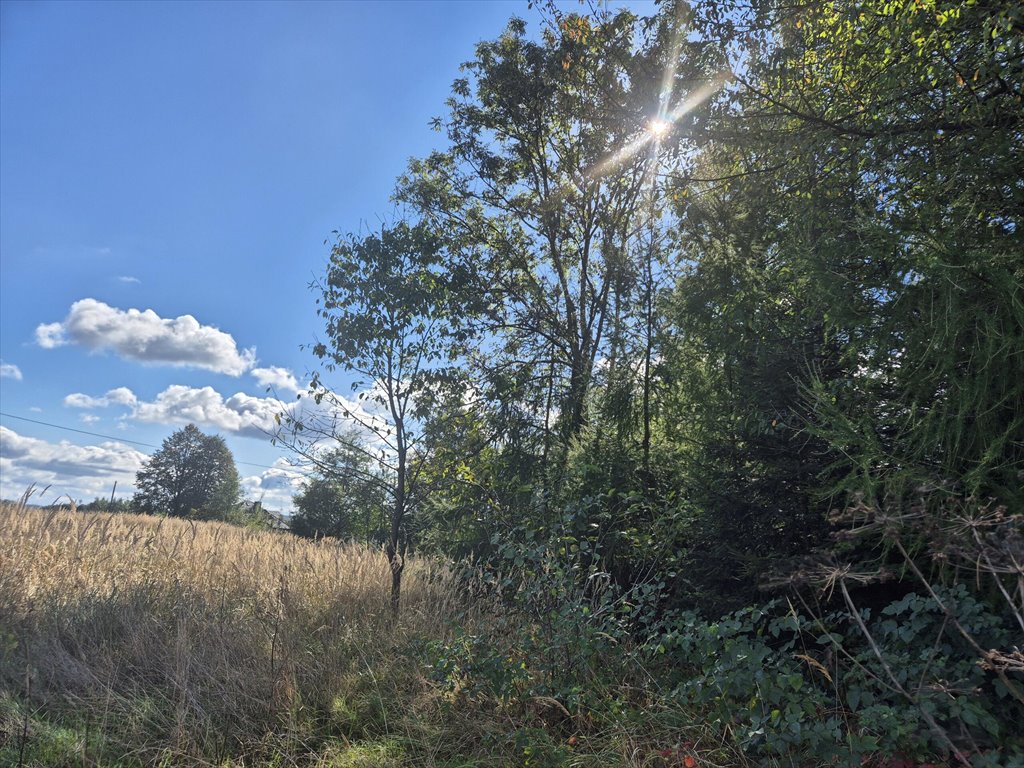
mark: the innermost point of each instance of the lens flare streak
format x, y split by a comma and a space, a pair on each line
660, 127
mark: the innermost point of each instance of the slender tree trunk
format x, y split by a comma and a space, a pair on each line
579, 380
396, 586
545, 473
396, 558
649, 343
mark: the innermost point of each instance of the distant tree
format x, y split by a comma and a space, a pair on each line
107, 505
345, 500
254, 516
192, 475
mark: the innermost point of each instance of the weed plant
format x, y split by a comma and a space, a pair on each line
143, 641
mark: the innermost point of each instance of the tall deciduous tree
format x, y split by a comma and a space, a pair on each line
544, 189
853, 322
387, 305
192, 475
914, 113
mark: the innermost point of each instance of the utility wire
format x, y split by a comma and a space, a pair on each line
109, 437
79, 431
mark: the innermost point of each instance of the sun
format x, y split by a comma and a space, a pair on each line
658, 128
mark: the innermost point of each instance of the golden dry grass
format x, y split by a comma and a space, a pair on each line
72, 556
137, 641
193, 642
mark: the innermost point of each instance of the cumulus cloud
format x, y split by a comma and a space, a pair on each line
275, 486
78, 400
145, 336
9, 371
83, 472
88, 418
120, 396
247, 416
117, 396
240, 414
50, 335
277, 379
205, 407
129, 279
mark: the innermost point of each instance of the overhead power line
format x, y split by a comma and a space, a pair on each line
79, 431
108, 437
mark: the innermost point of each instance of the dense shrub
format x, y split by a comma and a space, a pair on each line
788, 684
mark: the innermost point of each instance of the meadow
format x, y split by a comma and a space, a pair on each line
690, 364
130, 640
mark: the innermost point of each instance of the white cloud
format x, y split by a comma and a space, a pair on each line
50, 335
205, 407
9, 371
78, 400
88, 418
145, 336
83, 472
240, 414
118, 396
129, 279
247, 415
275, 486
277, 379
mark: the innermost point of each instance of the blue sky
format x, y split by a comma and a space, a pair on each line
168, 175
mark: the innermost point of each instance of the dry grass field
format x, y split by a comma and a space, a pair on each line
137, 640
141, 641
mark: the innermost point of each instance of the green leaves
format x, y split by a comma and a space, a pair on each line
192, 475
346, 499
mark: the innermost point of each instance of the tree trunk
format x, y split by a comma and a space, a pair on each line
397, 566
648, 348
396, 558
